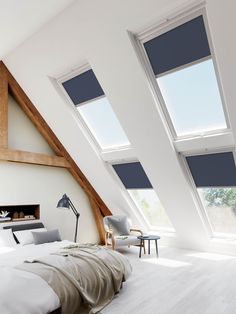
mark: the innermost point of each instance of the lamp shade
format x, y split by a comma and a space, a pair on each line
63, 202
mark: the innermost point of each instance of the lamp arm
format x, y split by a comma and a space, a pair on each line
73, 208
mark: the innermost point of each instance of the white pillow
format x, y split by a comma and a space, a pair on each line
6, 238
25, 236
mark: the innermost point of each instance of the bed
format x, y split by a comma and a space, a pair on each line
58, 277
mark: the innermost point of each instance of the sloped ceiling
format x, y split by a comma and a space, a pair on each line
20, 19
96, 32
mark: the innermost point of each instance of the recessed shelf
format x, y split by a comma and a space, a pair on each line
30, 210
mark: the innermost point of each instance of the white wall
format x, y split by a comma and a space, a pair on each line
96, 31
32, 184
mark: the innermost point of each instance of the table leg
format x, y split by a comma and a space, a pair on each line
156, 247
149, 247
140, 248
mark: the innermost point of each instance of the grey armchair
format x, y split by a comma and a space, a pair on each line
118, 232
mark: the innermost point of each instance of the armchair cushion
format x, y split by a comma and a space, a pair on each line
129, 240
118, 224
124, 241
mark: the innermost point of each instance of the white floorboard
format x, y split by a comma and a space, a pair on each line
179, 282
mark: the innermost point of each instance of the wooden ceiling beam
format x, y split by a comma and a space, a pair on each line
3, 107
33, 158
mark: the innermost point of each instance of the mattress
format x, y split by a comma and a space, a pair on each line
22, 292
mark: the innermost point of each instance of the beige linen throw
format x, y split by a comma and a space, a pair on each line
85, 277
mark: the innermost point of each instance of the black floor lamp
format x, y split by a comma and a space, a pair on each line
65, 202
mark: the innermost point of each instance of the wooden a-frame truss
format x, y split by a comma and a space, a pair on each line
8, 85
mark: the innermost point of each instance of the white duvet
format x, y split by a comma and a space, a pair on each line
22, 292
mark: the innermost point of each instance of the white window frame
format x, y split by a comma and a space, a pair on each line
170, 23
92, 139
205, 143
200, 205
130, 199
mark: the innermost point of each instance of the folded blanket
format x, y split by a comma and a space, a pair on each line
84, 277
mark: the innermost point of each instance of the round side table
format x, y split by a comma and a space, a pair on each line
149, 239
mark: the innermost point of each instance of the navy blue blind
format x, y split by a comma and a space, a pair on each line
213, 170
179, 46
83, 87
133, 176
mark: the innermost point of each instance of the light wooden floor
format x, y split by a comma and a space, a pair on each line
179, 282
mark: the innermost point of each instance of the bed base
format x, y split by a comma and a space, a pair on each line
57, 311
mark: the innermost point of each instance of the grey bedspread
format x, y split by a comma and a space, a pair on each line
84, 277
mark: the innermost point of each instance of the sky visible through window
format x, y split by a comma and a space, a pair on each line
193, 100
103, 124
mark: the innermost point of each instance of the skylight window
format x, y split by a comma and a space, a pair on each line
193, 100
215, 179
135, 180
87, 95
183, 67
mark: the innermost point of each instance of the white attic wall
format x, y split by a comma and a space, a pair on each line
20, 136
97, 32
